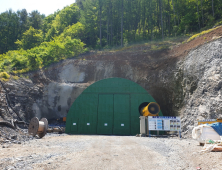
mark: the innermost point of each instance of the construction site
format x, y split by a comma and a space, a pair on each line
102, 109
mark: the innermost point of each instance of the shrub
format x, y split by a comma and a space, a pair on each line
4, 75
15, 77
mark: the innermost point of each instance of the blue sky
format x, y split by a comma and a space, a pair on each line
43, 6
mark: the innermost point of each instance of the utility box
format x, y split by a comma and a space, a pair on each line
142, 125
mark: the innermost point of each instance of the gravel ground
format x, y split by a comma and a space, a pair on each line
107, 152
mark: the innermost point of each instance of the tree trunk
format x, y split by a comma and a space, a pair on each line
213, 7
202, 13
174, 14
169, 31
158, 15
198, 15
100, 33
108, 16
122, 26
144, 19
161, 18
151, 20
178, 18
111, 16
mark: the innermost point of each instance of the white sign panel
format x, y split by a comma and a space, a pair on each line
164, 123
88, 124
105, 124
74, 124
122, 124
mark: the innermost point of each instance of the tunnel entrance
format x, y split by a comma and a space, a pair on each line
109, 106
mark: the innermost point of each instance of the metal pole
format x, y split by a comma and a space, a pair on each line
147, 128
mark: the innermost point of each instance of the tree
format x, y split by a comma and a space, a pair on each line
213, 7
34, 62
161, 18
100, 24
67, 16
31, 38
23, 19
35, 19
198, 15
202, 12
9, 30
122, 24
174, 14
89, 20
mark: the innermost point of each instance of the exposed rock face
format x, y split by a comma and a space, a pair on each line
22, 94
50, 93
188, 86
202, 83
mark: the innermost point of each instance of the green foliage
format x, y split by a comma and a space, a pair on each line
34, 62
218, 23
36, 19
59, 48
74, 31
31, 38
66, 17
14, 24
4, 76
89, 18
97, 24
15, 77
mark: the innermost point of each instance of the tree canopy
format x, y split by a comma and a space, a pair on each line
31, 40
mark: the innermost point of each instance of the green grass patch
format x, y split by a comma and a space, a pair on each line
200, 34
4, 76
218, 23
15, 77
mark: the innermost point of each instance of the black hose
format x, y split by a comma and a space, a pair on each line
4, 123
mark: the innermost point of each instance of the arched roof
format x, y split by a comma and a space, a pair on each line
113, 102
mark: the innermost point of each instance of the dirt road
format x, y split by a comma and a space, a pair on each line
107, 152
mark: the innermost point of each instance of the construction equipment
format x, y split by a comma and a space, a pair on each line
147, 109
152, 109
37, 127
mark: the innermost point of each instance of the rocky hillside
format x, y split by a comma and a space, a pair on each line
185, 79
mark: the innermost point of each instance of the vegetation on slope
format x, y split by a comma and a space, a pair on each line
31, 41
199, 34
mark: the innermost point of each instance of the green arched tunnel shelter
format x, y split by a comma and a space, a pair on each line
110, 107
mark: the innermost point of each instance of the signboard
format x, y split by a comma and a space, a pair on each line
164, 123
